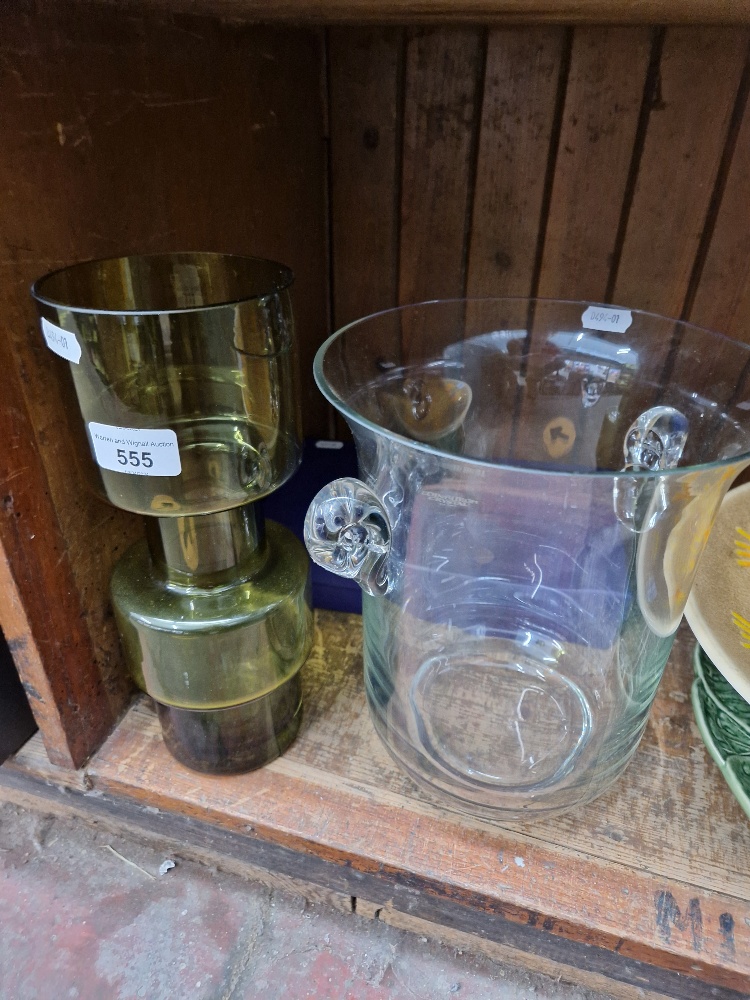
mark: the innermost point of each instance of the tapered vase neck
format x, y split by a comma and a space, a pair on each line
208, 550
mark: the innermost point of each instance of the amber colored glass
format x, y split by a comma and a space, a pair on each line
183, 368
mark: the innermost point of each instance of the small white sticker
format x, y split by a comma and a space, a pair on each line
606, 320
135, 451
61, 341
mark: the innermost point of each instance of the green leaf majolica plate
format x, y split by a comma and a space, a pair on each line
723, 718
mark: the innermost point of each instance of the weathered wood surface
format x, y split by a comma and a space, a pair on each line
366, 70
603, 98
691, 105
600, 163
521, 83
653, 878
722, 299
430, 11
366, 76
37, 786
27, 618
444, 72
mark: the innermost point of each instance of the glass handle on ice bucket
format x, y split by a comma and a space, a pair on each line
347, 532
654, 442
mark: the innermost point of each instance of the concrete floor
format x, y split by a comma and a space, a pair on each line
85, 915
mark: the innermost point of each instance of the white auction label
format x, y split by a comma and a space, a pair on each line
606, 320
62, 342
135, 451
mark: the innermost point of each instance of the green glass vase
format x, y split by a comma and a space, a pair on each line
214, 614
183, 368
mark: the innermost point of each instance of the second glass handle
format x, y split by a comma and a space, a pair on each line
654, 443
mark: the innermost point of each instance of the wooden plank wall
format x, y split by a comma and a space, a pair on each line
384, 164
606, 163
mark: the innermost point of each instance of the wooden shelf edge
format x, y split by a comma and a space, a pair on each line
213, 848
391, 893
368, 12
637, 888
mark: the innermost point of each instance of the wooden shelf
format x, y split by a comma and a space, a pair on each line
597, 163
648, 886
383, 165
459, 11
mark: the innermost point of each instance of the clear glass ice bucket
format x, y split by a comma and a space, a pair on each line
538, 480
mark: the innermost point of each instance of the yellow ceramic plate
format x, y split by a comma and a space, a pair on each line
718, 609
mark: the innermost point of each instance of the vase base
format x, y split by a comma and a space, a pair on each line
237, 739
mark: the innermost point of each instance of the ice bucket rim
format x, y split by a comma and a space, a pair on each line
353, 417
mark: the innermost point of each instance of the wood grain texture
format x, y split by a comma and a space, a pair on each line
722, 298
26, 788
120, 136
365, 116
70, 708
639, 878
432, 11
518, 108
53, 607
690, 110
443, 75
602, 106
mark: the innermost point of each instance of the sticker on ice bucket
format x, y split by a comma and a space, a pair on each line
62, 342
135, 451
606, 320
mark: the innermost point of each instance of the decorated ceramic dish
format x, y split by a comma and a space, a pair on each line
718, 612
723, 718
718, 609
